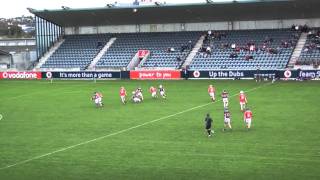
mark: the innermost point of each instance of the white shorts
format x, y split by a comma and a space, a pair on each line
154, 94
248, 121
211, 95
123, 98
162, 93
225, 100
242, 103
136, 100
227, 120
98, 100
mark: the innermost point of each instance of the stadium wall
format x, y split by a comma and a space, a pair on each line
203, 26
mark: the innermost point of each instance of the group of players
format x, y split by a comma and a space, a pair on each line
247, 114
137, 96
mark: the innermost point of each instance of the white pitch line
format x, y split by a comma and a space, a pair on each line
119, 132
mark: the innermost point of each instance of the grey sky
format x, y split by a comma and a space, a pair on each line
14, 8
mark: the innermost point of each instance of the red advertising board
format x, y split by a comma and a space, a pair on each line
20, 75
155, 74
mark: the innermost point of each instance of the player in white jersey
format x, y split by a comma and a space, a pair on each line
227, 120
135, 97
225, 98
162, 92
97, 98
139, 93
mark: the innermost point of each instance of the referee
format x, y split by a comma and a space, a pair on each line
208, 123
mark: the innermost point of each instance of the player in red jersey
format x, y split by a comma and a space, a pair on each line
243, 100
227, 120
123, 94
97, 98
225, 100
247, 117
211, 91
153, 92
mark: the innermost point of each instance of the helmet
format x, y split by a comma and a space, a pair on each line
241, 92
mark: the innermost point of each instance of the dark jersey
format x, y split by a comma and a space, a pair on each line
224, 95
227, 115
208, 121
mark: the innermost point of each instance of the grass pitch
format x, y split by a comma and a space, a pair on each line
45, 131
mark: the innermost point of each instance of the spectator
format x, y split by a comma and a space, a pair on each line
171, 49
99, 44
208, 50
179, 59
273, 51
252, 47
238, 49
190, 44
249, 57
233, 55
183, 47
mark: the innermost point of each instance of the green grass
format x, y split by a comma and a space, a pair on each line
40, 118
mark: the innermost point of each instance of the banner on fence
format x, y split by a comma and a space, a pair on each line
20, 75
82, 75
155, 74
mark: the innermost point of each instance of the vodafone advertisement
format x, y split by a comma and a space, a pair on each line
154, 74
20, 75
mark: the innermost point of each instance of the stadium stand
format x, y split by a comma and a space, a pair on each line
245, 49
165, 49
77, 51
311, 51
252, 49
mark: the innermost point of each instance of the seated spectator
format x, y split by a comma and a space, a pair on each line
285, 44
202, 49
179, 59
171, 49
233, 46
183, 47
249, 57
273, 51
252, 47
233, 55
99, 44
190, 44
208, 50
225, 46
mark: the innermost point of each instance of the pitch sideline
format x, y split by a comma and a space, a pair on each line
121, 131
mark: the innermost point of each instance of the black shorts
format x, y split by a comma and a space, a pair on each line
208, 126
